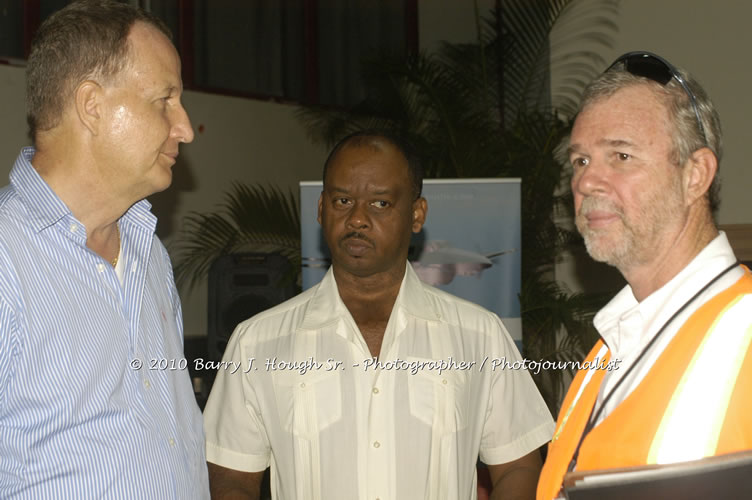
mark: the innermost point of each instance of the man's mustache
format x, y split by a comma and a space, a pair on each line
355, 235
591, 204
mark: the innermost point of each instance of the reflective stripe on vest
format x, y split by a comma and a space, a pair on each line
603, 353
693, 420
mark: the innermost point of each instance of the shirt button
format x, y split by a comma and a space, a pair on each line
375, 390
444, 381
302, 385
73, 228
147, 384
100, 267
376, 444
171, 441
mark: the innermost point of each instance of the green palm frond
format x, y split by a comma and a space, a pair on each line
562, 37
582, 30
524, 49
251, 218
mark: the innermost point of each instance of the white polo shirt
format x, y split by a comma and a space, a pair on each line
336, 426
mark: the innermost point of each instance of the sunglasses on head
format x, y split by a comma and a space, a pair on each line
657, 69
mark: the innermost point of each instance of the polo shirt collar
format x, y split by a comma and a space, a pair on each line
642, 319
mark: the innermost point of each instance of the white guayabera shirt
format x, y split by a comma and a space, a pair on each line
300, 392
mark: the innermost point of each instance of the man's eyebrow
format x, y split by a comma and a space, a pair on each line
169, 90
376, 192
614, 143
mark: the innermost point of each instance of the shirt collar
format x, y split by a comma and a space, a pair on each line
655, 309
45, 208
326, 306
413, 298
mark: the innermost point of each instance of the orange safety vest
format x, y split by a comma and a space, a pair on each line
694, 402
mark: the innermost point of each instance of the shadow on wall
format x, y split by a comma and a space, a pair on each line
165, 204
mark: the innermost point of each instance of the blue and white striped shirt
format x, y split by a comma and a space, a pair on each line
76, 419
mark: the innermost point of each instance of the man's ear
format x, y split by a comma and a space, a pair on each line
700, 171
321, 202
88, 101
420, 210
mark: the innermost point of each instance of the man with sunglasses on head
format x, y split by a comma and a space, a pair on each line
645, 150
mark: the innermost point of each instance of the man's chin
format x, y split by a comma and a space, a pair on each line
357, 266
606, 252
161, 184
599, 255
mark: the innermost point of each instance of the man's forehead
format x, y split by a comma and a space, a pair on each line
139, 28
351, 184
635, 98
145, 37
151, 53
620, 117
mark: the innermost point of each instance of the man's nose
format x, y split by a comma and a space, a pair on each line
590, 179
181, 126
358, 217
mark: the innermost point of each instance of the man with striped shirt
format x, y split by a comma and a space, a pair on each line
87, 299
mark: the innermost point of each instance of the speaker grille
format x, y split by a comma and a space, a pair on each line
241, 286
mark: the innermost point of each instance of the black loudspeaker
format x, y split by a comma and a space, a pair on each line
240, 286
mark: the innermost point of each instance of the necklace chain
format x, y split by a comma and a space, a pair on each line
115, 260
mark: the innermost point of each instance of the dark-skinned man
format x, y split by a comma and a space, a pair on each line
402, 430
